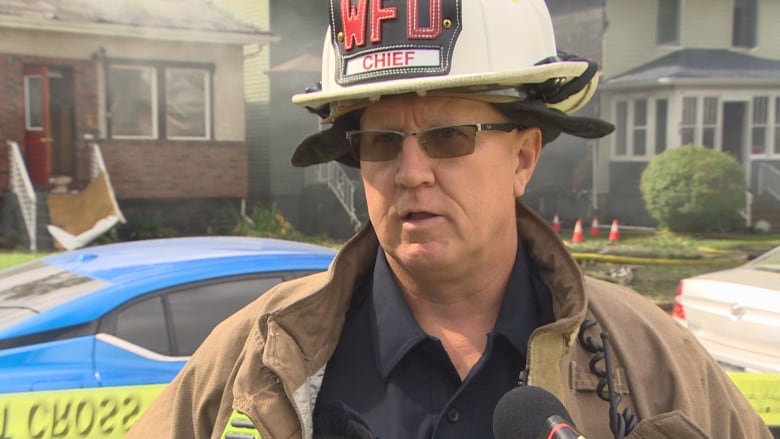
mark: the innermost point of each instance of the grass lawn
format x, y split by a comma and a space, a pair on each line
653, 263
8, 259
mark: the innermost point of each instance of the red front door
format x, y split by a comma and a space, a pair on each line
37, 118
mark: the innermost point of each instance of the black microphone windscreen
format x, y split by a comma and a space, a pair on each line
522, 412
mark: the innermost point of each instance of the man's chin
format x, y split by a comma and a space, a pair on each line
424, 255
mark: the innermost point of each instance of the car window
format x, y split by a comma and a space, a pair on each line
175, 322
197, 310
143, 323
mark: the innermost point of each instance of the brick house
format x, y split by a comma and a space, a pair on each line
158, 86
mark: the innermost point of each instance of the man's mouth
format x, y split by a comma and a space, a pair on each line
417, 216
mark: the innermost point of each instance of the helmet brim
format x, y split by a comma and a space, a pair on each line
464, 83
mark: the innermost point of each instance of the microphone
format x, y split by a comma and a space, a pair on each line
529, 412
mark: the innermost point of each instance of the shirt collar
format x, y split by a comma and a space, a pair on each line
395, 331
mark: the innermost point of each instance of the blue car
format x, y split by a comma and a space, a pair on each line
122, 316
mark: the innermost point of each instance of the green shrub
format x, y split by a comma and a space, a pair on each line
140, 225
270, 223
693, 189
262, 221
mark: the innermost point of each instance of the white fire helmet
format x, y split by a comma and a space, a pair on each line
500, 51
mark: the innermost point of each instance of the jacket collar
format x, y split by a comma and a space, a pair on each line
558, 270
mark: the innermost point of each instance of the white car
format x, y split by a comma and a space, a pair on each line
735, 313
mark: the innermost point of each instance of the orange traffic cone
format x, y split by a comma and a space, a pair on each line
614, 232
577, 236
556, 224
594, 226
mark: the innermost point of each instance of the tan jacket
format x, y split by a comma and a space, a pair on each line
266, 361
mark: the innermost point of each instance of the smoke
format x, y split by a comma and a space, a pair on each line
301, 26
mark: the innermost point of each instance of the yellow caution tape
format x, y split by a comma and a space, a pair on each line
762, 390
109, 412
104, 412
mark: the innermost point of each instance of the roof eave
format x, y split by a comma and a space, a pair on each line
138, 32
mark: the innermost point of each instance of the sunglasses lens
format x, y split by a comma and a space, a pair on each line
376, 146
439, 143
448, 142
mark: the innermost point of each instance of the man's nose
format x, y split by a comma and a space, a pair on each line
413, 164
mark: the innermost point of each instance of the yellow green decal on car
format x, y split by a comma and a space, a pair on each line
762, 390
103, 412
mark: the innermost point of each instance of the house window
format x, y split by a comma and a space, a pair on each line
33, 98
777, 125
709, 122
634, 135
621, 130
700, 121
661, 115
758, 131
668, 26
640, 127
132, 92
745, 23
150, 102
187, 103
688, 126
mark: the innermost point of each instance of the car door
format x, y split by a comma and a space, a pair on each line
148, 340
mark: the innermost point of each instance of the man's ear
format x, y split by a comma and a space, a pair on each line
529, 146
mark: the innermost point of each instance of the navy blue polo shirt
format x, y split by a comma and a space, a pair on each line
389, 379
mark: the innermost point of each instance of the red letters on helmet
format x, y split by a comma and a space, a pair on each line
354, 18
413, 29
378, 13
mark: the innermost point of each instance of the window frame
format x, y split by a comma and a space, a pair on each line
713, 123
770, 126
661, 125
776, 131
668, 8
159, 99
29, 103
744, 29
686, 123
207, 101
700, 123
153, 94
108, 322
628, 133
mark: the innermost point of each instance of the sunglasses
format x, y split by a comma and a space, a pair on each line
437, 142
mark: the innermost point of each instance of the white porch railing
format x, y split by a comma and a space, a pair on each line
342, 186
25, 193
98, 165
769, 180
747, 211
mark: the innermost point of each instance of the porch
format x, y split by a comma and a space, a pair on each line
60, 217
